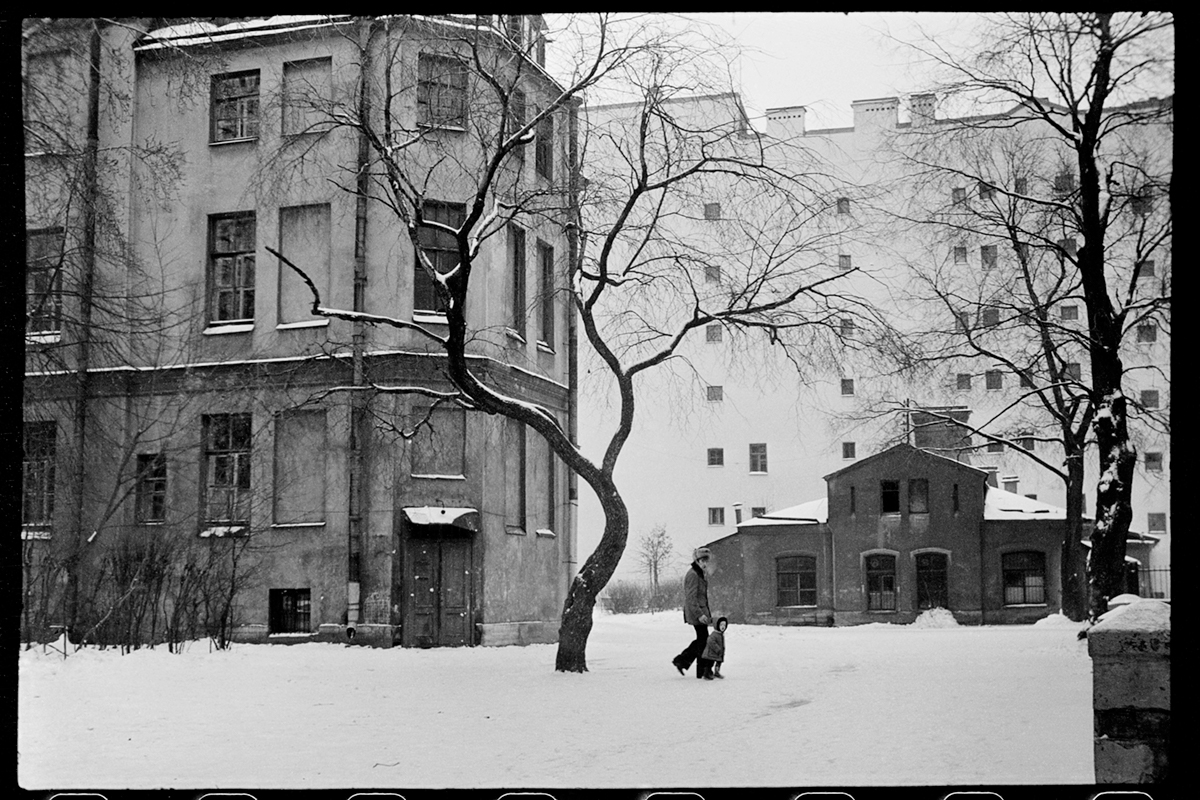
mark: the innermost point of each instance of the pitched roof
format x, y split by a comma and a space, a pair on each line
813, 512
904, 447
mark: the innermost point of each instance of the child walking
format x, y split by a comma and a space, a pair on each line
714, 649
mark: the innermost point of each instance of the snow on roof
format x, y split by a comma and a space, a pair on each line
207, 32
999, 504
810, 513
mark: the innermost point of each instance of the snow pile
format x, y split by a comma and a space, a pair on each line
1058, 620
935, 618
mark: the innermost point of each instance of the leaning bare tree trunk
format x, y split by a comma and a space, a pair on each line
576, 623
1074, 558
1114, 510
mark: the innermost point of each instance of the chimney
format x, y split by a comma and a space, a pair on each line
785, 123
921, 106
870, 116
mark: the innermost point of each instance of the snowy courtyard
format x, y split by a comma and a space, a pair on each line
880, 704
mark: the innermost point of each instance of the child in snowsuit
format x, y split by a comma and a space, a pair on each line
714, 649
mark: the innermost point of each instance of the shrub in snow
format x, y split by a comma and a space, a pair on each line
935, 618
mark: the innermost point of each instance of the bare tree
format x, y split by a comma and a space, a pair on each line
1063, 182
655, 553
642, 277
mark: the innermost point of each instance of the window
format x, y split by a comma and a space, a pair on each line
1021, 185
235, 106
1147, 333
716, 516
1154, 462
304, 238
989, 317
299, 467
543, 162
1069, 312
758, 457
1064, 182
546, 264
1145, 270
881, 582
964, 321
847, 386
306, 94
1068, 246
43, 280
231, 267
849, 450
1071, 371
440, 248
516, 120
796, 581
987, 255
962, 381
227, 468
931, 580
844, 263
954, 501
441, 91
712, 273
550, 463
715, 394
889, 497
993, 379
960, 255
853, 501
712, 211
985, 192
1023, 380
516, 262
290, 611
1009, 483
847, 326
995, 447
150, 492
1032, 495
513, 27
843, 205
1149, 398
1024, 576
50, 109
1023, 251
757, 511
1156, 522
37, 473
1141, 203
713, 333
716, 456
958, 195
918, 495
515, 474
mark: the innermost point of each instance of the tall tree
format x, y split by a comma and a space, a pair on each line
1057, 165
642, 276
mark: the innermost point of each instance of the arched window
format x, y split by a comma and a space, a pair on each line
881, 582
796, 581
1024, 578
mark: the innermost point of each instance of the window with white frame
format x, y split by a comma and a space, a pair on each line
440, 248
231, 249
235, 107
517, 267
758, 457
796, 581
441, 91
716, 515
880, 572
1024, 578
547, 296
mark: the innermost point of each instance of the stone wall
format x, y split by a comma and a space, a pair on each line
1131, 693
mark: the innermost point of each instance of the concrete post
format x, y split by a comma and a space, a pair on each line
1131, 693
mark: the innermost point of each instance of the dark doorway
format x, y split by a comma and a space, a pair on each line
931, 581
438, 581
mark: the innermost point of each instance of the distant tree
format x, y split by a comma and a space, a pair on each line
655, 553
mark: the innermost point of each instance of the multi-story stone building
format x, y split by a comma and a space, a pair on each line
767, 437
187, 416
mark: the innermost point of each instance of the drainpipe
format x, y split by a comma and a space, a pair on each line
358, 400
575, 258
982, 573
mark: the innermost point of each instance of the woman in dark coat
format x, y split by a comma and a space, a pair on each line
696, 613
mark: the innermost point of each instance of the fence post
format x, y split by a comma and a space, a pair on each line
1131, 693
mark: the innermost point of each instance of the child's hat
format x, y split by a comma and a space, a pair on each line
701, 552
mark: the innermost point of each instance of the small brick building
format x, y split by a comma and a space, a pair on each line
900, 532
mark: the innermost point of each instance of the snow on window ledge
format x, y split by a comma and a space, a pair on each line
223, 530
514, 530
320, 524
430, 316
545, 348
512, 334
546, 532
218, 330
311, 323
50, 337
28, 533
434, 477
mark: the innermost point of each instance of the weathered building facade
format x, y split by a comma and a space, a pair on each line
898, 533
204, 454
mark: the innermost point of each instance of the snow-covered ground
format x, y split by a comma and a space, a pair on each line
924, 704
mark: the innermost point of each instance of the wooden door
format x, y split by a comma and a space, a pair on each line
454, 593
439, 596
